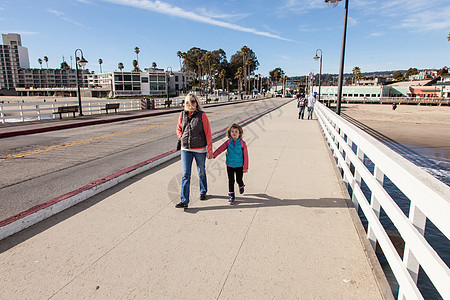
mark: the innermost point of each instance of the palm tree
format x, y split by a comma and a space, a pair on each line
135, 66
46, 60
154, 65
180, 55
448, 37
100, 61
46, 73
357, 74
40, 62
136, 50
120, 66
239, 74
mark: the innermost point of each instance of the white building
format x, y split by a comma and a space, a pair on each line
12, 58
150, 82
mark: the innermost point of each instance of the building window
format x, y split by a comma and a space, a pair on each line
144, 79
126, 77
153, 87
161, 78
136, 78
176, 79
119, 87
161, 87
177, 86
153, 78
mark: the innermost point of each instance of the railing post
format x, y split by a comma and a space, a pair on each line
21, 113
418, 219
2, 115
357, 176
375, 205
38, 112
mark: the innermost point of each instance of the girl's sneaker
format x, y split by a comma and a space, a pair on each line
241, 189
231, 199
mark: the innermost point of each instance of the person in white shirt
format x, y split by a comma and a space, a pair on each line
311, 102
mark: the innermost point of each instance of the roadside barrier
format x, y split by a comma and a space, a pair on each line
429, 201
31, 111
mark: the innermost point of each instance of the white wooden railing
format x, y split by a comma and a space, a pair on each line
30, 111
429, 200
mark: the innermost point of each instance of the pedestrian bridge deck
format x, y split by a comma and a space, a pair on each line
291, 235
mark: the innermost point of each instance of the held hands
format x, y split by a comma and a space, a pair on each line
245, 170
209, 156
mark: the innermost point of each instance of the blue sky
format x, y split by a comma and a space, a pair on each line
381, 34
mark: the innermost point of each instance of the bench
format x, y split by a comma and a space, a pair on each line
109, 106
66, 109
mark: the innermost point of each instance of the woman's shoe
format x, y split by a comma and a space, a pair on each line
181, 205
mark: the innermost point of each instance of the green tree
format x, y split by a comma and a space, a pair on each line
357, 75
120, 66
64, 65
246, 59
100, 61
411, 71
398, 75
135, 66
239, 75
46, 61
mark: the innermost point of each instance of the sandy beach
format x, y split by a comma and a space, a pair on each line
411, 125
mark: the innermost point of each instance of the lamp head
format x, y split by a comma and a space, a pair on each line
82, 62
316, 57
332, 3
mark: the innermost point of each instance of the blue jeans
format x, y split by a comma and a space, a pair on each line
310, 112
186, 164
301, 112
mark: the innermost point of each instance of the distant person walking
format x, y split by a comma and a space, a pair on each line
301, 104
394, 106
236, 161
194, 132
311, 102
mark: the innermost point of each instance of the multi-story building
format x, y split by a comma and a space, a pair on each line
12, 58
150, 82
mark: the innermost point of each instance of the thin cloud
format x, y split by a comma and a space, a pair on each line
376, 34
219, 15
167, 9
62, 16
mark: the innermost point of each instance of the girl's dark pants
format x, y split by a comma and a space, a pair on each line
239, 171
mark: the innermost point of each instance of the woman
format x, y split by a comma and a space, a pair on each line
194, 132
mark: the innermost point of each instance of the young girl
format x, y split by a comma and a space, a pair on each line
237, 159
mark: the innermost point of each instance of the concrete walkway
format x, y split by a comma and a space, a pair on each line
290, 236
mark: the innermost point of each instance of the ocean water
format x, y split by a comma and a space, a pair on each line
437, 163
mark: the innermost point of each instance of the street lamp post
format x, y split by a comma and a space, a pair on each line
81, 62
168, 75
341, 68
320, 68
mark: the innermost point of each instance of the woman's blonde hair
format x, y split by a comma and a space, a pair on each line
187, 100
236, 126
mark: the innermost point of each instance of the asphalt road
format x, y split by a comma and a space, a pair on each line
43, 166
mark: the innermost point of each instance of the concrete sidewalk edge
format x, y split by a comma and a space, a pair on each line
45, 210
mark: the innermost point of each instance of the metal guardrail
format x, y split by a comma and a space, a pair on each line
429, 200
